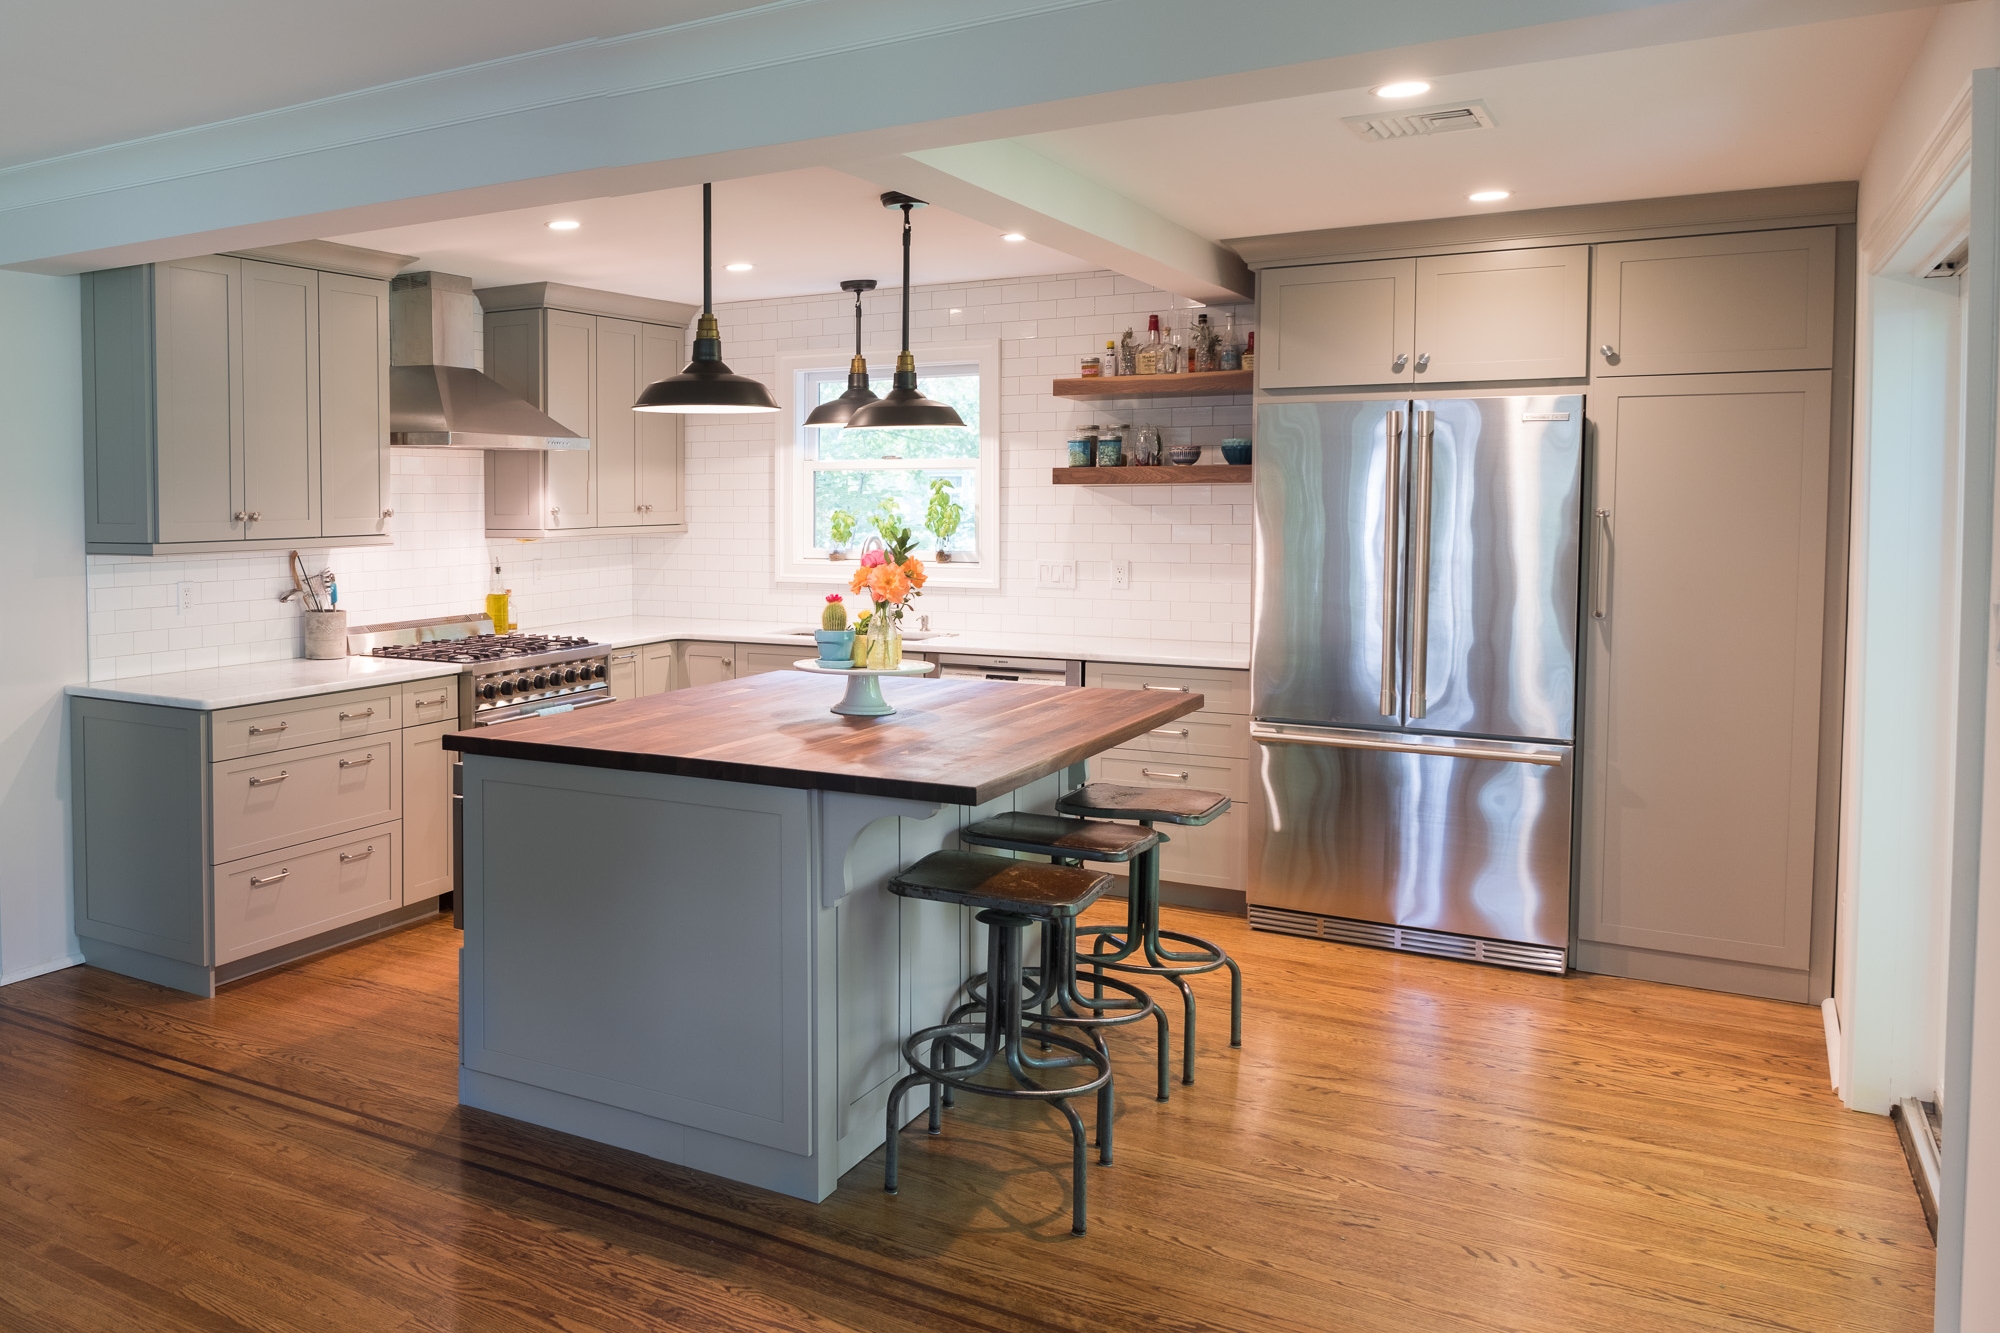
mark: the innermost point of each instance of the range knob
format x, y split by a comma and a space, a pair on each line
487, 691
598, 671
506, 687
570, 675
523, 685
541, 680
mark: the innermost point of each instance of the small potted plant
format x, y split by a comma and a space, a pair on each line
943, 516
840, 529
862, 625
835, 639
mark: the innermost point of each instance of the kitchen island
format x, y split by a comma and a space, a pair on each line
677, 938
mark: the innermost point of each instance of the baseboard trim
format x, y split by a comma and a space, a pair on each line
1829, 1015
1922, 1152
41, 969
1624, 960
244, 968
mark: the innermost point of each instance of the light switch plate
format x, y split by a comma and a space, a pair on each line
1055, 574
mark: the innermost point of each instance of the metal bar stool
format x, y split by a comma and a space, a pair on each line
1011, 895
1141, 933
1072, 842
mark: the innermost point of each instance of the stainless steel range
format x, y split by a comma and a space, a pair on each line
502, 676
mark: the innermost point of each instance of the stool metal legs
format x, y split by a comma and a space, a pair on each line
1003, 1033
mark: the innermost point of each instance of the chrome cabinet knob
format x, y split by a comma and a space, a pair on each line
1402, 361
1609, 353
1423, 362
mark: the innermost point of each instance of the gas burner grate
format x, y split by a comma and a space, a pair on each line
482, 647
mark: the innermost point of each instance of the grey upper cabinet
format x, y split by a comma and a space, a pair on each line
1749, 301
211, 386
585, 370
1706, 590
1329, 325
1441, 319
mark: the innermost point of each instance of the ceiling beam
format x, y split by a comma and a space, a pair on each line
1012, 188
784, 85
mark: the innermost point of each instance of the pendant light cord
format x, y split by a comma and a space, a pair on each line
857, 324
708, 268
906, 277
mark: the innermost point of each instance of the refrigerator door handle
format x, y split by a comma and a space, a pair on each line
1517, 752
1600, 581
1392, 504
1425, 422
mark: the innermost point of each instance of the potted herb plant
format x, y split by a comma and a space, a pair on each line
840, 530
943, 516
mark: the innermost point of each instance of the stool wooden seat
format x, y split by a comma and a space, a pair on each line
1011, 896
1141, 946
1060, 836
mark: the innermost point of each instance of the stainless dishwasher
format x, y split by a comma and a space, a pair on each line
1027, 670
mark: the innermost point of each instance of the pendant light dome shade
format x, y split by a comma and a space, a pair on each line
836, 412
903, 406
708, 384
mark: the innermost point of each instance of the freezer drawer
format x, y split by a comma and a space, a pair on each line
1430, 840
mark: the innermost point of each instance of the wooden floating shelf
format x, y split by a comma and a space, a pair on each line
1154, 386
1198, 474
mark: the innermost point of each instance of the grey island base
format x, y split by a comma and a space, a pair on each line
677, 938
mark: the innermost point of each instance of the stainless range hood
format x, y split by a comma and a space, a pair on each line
439, 398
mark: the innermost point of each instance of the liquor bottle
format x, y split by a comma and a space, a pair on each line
1110, 356
1201, 347
1229, 354
1147, 358
1250, 350
1128, 353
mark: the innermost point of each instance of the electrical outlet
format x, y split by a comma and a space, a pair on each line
1121, 575
183, 597
1055, 574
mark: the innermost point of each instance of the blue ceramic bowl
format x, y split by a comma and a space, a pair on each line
1236, 452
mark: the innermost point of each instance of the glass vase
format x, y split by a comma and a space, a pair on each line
885, 644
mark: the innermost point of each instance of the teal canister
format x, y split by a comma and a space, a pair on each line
1111, 451
1083, 452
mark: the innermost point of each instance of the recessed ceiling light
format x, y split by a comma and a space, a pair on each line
737, 268
1489, 196
564, 224
1013, 236
1404, 88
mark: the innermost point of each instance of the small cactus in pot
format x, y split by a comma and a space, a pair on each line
835, 639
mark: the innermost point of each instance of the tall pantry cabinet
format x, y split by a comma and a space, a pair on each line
236, 403
1716, 369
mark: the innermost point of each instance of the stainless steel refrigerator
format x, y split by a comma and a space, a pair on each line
1413, 673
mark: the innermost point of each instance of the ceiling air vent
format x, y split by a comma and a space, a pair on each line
1447, 119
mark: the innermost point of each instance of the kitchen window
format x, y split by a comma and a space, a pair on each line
825, 470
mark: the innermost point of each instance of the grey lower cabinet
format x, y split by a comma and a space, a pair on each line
212, 845
585, 367
234, 404
1207, 866
1699, 856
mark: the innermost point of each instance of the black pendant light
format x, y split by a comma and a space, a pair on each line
903, 406
707, 385
836, 411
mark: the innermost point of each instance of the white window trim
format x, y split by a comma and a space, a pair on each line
789, 470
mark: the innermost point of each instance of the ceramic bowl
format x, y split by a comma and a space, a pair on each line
1236, 452
1183, 455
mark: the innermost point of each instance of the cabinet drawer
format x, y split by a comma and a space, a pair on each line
1219, 735
1214, 856
263, 902
276, 801
1229, 776
1221, 691
429, 701
268, 728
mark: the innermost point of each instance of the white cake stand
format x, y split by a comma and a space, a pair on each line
864, 695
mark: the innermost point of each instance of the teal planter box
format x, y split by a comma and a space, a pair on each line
836, 648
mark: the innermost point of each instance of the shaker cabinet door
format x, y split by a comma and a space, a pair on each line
1503, 315
198, 314
353, 405
1336, 325
659, 460
707, 663
426, 811
614, 441
571, 349
1754, 301
281, 480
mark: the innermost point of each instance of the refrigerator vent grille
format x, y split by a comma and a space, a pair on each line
1419, 121
1436, 943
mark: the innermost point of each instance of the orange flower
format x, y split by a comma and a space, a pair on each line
860, 579
914, 569
889, 583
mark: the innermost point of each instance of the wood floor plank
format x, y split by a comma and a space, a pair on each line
1402, 1143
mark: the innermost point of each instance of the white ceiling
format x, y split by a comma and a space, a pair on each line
804, 231
1788, 106
1777, 107
81, 73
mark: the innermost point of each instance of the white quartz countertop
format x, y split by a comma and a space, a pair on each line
266, 682
261, 682
624, 633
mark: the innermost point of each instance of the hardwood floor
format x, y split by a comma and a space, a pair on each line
1401, 1144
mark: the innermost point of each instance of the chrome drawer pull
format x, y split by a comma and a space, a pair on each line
1162, 773
265, 731
256, 883
270, 782
438, 702
1170, 689
356, 763
1170, 731
359, 856
357, 717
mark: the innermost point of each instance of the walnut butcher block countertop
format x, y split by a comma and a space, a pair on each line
960, 742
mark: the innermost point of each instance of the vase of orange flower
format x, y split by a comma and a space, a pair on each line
892, 578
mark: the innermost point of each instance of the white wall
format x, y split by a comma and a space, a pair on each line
41, 608
1189, 545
